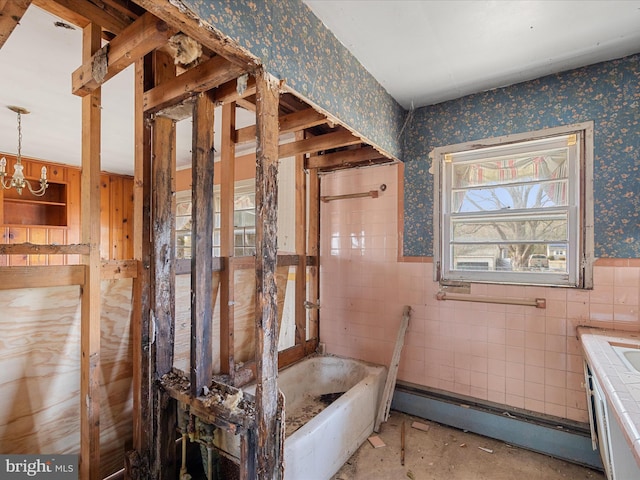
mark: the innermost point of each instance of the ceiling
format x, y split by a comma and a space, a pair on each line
36, 64
422, 52
427, 52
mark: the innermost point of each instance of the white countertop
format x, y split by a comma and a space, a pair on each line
621, 384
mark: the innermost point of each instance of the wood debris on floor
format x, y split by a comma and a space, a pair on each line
376, 442
438, 452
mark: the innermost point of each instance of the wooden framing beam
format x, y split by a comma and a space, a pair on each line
11, 12
82, 12
115, 269
288, 123
203, 77
63, 11
346, 158
164, 462
183, 265
313, 250
301, 247
228, 91
337, 139
227, 278
41, 276
90, 319
300, 120
187, 22
141, 37
140, 338
269, 452
37, 249
124, 7
201, 364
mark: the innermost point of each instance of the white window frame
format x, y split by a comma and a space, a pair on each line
581, 244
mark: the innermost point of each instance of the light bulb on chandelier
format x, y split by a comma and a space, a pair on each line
18, 181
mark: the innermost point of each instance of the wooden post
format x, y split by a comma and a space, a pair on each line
301, 247
227, 277
202, 244
163, 277
268, 435
313, 249
90, 322
142, 419
163, 274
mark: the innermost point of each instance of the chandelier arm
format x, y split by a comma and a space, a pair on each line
6, 185
40, 192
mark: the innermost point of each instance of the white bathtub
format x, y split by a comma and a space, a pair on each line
318, 449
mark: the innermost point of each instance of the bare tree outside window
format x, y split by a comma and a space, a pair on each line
511, 212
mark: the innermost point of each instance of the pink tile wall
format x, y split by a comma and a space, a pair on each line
514, 355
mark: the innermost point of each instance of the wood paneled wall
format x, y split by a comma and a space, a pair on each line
116, 217
40, 371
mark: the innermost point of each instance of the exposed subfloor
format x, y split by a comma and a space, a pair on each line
444, 453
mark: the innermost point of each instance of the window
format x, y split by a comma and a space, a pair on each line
516, 209
244, 221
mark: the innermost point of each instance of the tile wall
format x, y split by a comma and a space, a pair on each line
513, 355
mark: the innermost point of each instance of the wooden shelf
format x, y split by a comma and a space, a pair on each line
37, 202
27, 209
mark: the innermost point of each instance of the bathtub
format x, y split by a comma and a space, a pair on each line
318, 449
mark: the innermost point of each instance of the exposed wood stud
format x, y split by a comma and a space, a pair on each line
228, 92
163, 226
90, 316
248, 454
288, 123
227, 279
41, 276
10, 14
75, 10
183, 20
202, 245
35, 249
268, 434
141, 37
142, 369
301, 247
322, 142
313, 250
198, 79
354, 157
115, 269
164, 463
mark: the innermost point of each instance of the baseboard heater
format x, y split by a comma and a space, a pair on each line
551, 436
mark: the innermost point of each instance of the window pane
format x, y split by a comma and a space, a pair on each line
244, 201
183, 208
183, 223
548, 258
534, 166
540, 229
487, 199
248, 218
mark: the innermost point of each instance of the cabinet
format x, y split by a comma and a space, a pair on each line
27, 209
617, 458
54, 218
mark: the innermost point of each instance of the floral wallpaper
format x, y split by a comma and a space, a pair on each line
292, 44
607, 93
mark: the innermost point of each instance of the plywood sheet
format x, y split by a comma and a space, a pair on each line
40, 371
183, 323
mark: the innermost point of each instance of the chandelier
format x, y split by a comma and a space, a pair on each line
18, 181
